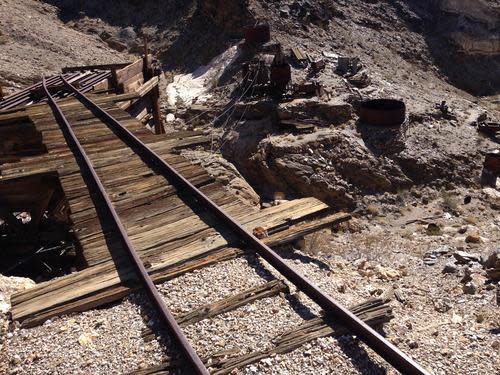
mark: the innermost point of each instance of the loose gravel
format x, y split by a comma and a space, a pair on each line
440, 326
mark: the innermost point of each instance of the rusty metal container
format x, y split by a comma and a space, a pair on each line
383, 112
318, 65
258, 34
492, 162
280, 76
489, 128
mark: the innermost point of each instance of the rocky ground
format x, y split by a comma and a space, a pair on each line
445, 310
423, 226
34, 41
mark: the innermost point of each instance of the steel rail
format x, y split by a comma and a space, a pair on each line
86, 79
27, 90
167, 317
90, 84
24, 95
372, 338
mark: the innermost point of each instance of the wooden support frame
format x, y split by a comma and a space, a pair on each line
115, 66
155, 100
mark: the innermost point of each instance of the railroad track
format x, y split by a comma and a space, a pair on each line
196, 197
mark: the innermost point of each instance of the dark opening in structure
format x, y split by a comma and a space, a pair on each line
35, 228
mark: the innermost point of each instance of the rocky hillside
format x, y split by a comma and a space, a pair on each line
34, 41
176, 29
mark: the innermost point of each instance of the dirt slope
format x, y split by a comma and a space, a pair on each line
34, 41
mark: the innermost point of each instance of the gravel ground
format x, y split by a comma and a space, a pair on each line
247, 329
321, 357
443, 328
440, 326
94, 342
210, 284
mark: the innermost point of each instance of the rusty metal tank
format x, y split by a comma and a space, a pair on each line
382, 112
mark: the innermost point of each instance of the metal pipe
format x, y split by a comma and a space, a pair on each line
372, 338
154, 295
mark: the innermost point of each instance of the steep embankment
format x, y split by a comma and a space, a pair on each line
463, 38
34, 41
183, 34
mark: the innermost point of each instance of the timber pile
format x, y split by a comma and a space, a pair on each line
171, 236
374, 312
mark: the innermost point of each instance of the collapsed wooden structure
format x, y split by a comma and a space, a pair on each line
39, 174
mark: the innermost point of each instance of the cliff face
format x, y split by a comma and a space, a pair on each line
476, 29
484, 11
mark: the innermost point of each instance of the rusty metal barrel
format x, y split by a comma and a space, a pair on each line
258, 34
382, 112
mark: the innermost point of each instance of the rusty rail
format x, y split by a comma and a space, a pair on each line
142, 274
373, 339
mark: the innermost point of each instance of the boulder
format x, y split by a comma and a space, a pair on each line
493, 260
469, 288
387, 273
331, 164
473, 238
12, 285
450, 267
463, 257
116, 44
335, 111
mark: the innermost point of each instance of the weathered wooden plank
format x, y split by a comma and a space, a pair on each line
96, 281
81, 68
129, 71
373, 312
131, 84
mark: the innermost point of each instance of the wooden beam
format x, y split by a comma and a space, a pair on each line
129, 71
148, 86
373, 312
298, 231
155, 100
269, 289
82, 68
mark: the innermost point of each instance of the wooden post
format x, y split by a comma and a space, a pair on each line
1, 92
147, 71
155, 100
155, 92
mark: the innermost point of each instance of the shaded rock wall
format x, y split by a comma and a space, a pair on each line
183, 33
463, 38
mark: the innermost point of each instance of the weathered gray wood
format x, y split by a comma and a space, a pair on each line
373, 312
269, 289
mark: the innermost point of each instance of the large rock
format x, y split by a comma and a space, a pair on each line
493, 260
332, 165
12, 285
335, 111
225, 173
463, 257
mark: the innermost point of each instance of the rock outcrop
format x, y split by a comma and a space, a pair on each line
225, 173
473, 26
484, 11
332, 165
